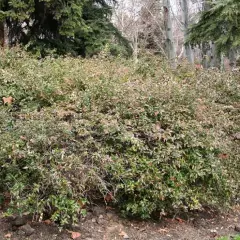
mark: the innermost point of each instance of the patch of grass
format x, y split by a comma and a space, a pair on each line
227, 238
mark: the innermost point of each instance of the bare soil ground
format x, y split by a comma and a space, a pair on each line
107, 225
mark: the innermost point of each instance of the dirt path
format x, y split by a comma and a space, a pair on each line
102, 225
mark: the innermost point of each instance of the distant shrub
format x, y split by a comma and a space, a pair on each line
79, 130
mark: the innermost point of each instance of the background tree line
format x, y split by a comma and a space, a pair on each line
203, 32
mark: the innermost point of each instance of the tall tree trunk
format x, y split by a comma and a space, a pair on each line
206, 59
232, 58
169, 44
2, 34
206, 52
185, 19
135, 44
215, 57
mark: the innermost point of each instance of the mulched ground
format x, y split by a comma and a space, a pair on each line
102, 225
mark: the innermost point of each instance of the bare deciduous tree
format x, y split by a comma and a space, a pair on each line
141, 22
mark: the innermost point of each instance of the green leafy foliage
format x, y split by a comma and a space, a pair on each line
78, 129
219, 24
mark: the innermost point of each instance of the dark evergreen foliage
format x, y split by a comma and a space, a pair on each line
69, 26
220, 24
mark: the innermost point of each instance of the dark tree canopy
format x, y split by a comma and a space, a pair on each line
220, 24
76, 26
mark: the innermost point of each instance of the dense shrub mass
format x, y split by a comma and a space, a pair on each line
146, 138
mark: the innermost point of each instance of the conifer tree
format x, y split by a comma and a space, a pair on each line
220, 24
75, 26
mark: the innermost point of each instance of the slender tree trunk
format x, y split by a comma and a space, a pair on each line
185, 18
215, 57
206, 56
206, 51
232, 58
222, 66
169, 44
2, 34
135, 44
